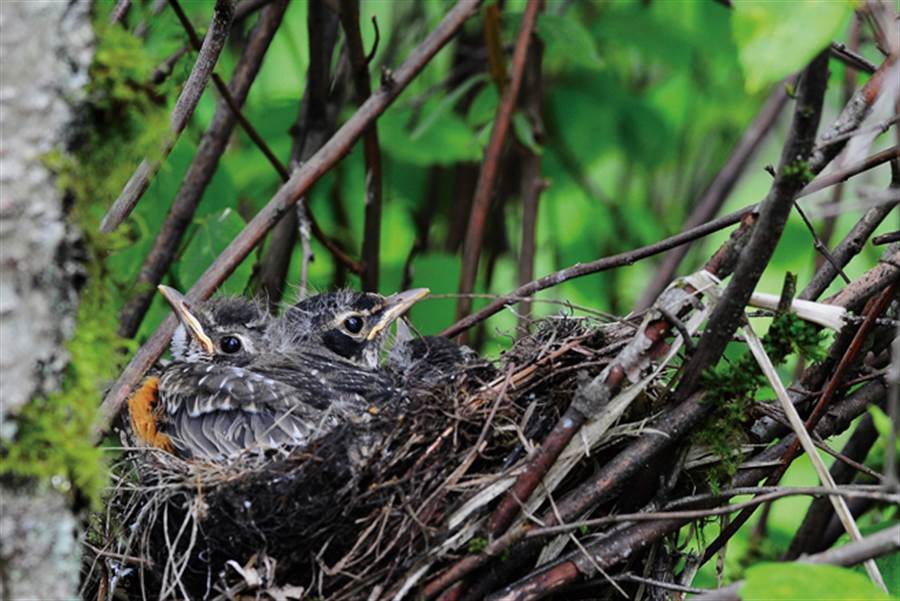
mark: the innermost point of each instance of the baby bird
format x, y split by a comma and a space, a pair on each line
238, 383
350, 324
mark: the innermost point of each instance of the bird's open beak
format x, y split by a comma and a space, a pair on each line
181, 305
395, 306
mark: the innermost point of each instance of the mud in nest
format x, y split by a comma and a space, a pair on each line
353, 514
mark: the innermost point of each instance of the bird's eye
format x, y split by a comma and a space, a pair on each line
353, 324
230, 344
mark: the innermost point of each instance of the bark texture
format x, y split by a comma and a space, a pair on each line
46, 48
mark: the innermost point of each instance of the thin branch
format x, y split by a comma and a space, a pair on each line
315, 124
820, 246
487, 178
718, 191
349, 15
120, 12
184, 108
531, 184
200, 173
582, 269
843, 175
886, 238
850, 58
301, 180
852, 243
764, 494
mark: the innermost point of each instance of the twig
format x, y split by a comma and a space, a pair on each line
884, 274
487, 178
582, 269
614, 549
893, 406
184, 108
765, 494
883, 542
886, 238
530, 184
301, 180
819, 246
831, 141
852, 243
120, 11
315, 123
851, 58
349, 15
200, 173
843, 175
809, 534
165, 68
718, 190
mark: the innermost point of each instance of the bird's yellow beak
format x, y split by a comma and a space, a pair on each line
182, 307
395, 306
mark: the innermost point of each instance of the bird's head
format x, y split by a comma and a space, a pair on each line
234, 328
348, 323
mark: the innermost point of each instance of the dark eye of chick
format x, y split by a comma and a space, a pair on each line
230, 344
353, 324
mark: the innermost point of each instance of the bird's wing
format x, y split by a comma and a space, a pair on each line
327, 378
215, 410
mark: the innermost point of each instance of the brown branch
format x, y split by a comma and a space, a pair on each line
531, 184
833, 139
850, 58
877, 278
184, 107
582, 269
301, 180
200, 173
852, 243
886, 238
843, 175
349, 14
487, 178
718, 191
315, 123
848, 88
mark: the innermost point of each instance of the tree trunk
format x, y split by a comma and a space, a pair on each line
46, 49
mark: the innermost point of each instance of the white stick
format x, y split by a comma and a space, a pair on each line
840, 505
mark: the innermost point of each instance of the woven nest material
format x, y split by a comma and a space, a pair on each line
356, 510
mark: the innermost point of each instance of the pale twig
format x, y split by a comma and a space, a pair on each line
840, 505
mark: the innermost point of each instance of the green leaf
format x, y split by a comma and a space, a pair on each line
775, 39
446, 104
568, 42
446, 141
525, 133
882, 423
214, 232
484, 107
800, 581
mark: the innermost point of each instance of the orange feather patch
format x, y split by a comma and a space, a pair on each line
142, 406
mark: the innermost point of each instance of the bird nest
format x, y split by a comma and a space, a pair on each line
358, 511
